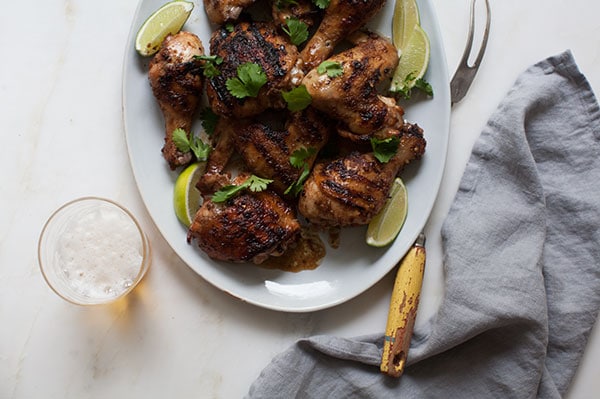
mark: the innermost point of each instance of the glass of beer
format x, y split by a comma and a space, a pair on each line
92, 251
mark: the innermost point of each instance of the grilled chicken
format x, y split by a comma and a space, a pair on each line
176, 81
342, 17
352, 189
352, 97
247, 228
221, 11
214, 177
250, 42
266, 152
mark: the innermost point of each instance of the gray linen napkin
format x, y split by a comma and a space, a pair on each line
521, 262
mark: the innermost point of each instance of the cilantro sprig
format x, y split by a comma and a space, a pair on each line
385, 149
250, 78
410, 83
193, 143
297, 99
210, 64
332, 68
253, 183
296, 30
322, 4
299, 159
209, 120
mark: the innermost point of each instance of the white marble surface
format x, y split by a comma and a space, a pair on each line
177, 336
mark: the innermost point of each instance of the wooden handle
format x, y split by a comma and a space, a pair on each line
403, 309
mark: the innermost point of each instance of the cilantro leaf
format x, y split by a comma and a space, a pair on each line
424, 86
237, 88
322, 4
209, 120
229, 27
296, 187
296, 30
250, 78
297, 99
226, 193
200, 149
210, 64
385, 149
410, 82
194, 144
181, 140
299, 159
253, 183
257, 184
332, 68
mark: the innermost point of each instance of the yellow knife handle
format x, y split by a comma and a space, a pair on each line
403, 309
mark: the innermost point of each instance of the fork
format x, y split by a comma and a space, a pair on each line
465, 73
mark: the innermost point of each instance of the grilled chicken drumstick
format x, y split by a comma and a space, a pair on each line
221, 11
215, 177
176, 80
342, 17
352, 97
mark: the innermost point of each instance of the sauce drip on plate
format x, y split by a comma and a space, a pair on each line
306, 254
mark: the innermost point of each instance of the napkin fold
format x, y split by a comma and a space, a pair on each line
521, 265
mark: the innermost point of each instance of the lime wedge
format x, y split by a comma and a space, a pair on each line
186, 198
386, 225
405, 18
167, 20
413, 61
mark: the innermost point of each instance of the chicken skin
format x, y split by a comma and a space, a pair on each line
176, 80
221, 11
249, 42
266, 152
352, 97
342, 17
250, 227
352, 189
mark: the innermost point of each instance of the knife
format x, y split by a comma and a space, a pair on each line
403, 309
409, 278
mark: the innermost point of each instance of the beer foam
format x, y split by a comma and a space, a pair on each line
100, 253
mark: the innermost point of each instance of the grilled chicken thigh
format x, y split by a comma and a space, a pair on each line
221, 11
352, 189
247, 228
266, 152
251, 42
352, 97
176, 81
342, 17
